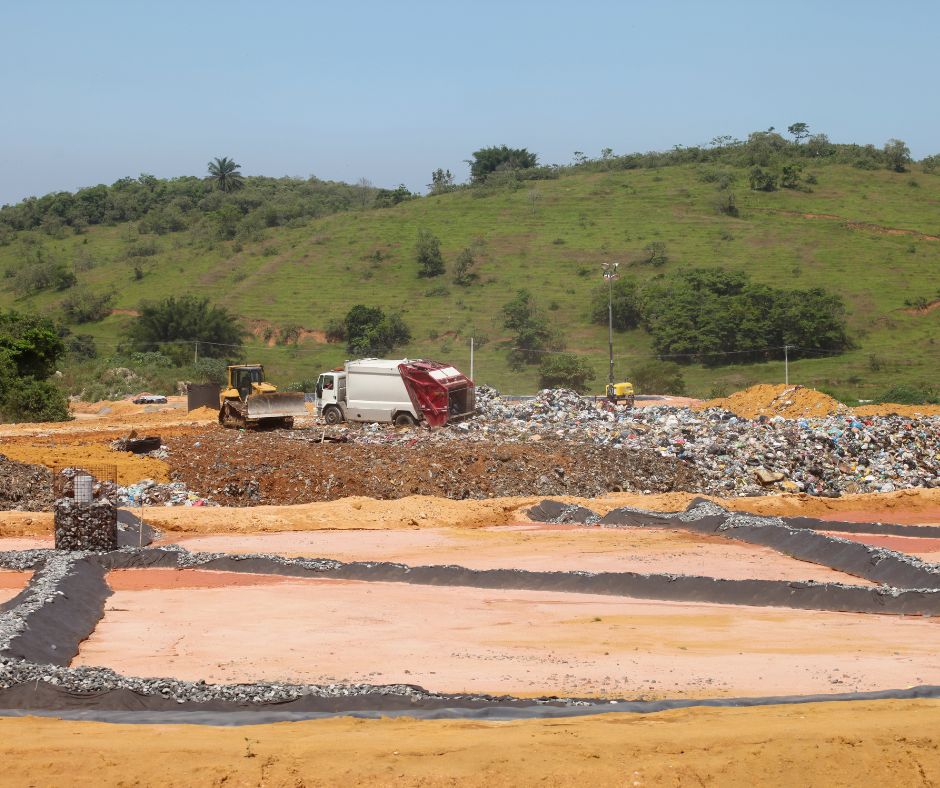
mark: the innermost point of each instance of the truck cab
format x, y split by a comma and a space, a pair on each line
331, 394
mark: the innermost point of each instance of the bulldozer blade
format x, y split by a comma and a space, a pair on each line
278, 405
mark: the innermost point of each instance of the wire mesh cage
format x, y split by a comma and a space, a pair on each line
84, 483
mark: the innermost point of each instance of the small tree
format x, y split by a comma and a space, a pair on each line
370, 332
532, 331
658, 377
442, 181
799, 132
428, 254
656, 253
897, 155
463, 268
791, 176
762, 181
567, 371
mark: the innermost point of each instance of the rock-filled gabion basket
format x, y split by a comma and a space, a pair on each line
85, 508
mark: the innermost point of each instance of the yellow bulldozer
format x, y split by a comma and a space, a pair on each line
250, 401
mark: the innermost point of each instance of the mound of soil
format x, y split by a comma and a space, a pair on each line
24, 487
790, 402
251, 468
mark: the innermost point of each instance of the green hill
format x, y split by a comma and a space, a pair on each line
869, 235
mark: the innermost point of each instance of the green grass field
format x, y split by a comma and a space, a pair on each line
551, 237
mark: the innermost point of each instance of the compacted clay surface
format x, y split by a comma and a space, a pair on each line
229, 627
535, 547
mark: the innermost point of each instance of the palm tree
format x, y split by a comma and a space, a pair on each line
225, 173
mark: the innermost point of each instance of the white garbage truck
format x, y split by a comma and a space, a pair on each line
398, 391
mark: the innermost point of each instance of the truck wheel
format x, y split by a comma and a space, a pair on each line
332, 415
405, 420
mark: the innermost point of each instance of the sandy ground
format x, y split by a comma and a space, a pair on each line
534, 547
496, 641
906, 506
122, 415
430, 512
842, 744
129, 467
11, 583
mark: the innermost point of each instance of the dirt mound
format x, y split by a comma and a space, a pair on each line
130, 467
893, 409
24, 487
251, 468
790, 402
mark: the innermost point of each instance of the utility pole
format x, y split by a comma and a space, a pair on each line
610, 273
196, 352
471, 358
786, 365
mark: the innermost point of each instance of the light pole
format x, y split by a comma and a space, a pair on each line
610, 273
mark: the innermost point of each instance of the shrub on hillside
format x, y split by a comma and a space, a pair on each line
566, 371
87, 306
50, 275
911, 395
428, 254
532, 333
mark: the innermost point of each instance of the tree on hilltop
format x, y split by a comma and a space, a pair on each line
799, 131
225, 172
498, 158
897, 155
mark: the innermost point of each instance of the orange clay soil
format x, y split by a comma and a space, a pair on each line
791, 402
460, 639
534, 547
130, 467
416, 511
849, 744
11, 583
121, 415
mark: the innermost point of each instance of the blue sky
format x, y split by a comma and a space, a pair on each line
389, 91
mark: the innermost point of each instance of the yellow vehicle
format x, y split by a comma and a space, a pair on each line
250, 401
620, 394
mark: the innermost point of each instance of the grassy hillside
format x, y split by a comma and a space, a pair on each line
869, 235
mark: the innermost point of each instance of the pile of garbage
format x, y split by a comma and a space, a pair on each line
838, 453
23, 487
833, 454
147, 492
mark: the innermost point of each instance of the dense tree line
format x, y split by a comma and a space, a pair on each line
170, 205
705, 314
